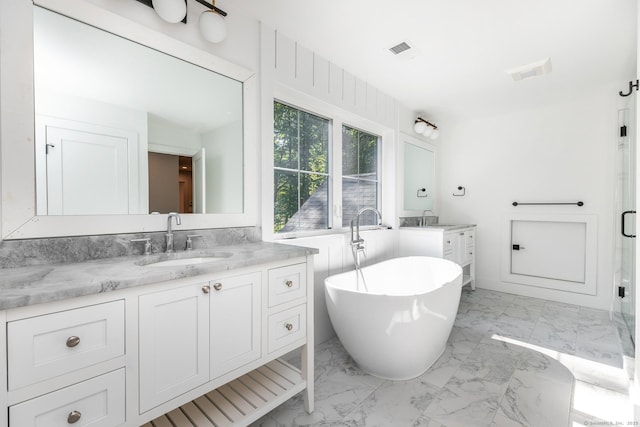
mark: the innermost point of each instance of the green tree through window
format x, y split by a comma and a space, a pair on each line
360, 174
301, 170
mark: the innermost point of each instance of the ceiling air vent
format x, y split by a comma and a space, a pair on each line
399, 48
535, 69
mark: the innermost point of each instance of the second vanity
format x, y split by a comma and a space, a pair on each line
177, 339
453, 242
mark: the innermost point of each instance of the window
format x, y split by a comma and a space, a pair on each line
301, 170
360, 177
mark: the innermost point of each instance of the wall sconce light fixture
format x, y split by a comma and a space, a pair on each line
211, 23
426, 128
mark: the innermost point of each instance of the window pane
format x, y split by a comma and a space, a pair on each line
314, 143
349, 151
313, 200
285, 136
314, 203
301, 193
358, 194
368, 156
359, 153
285, 198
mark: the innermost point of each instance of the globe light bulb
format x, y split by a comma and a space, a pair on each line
419, 126
172, 11
212, 26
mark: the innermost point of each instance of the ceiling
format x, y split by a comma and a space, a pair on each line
464, 47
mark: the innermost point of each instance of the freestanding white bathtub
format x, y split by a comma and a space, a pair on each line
399, 327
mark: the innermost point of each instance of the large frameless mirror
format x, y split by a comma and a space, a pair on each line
121, 128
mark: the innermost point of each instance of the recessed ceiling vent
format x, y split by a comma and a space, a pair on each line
534, 69
399, 48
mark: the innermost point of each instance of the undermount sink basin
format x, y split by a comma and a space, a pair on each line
185, 261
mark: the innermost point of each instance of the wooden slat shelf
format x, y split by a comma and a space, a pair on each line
239, 402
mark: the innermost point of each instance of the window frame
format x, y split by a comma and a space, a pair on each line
338, 117
299, 171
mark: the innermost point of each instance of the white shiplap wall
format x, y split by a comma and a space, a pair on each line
287, 67
294, 66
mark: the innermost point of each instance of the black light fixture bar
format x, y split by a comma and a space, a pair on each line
419, 119
202, 2
212, 6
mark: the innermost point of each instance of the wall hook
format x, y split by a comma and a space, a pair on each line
461, 188
632, 86
422, 192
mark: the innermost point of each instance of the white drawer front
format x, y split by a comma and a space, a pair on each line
470, 238
287, 327
45, 347
98, 402
287, 283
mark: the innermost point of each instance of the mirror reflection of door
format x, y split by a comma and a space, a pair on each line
171, 183
85, 168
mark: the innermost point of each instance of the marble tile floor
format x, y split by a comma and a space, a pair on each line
500, 368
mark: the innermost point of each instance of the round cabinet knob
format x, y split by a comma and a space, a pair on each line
74, 417
289, 326
289, 283
217, 286
73, 341
206, 289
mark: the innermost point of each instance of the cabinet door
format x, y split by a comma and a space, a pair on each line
174, 343
235, 322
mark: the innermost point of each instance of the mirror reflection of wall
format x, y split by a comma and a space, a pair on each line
419, 177
104, 104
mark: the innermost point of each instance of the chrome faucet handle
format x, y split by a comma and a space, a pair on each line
147, 244
190, 237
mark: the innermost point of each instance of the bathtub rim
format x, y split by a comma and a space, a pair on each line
458, 277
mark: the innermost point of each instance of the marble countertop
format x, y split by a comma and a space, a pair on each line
24, 286
445, 227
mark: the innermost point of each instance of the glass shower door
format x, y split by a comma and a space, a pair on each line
624, 278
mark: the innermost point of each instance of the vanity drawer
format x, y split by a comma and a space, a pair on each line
287, 283
287, 326
469, 237
44, 347
98, 402
448, 242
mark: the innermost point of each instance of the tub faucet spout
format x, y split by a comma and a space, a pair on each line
356, 240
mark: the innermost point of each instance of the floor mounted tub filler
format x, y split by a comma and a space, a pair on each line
394, 317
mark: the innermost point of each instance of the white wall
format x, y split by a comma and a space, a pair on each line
223, 162
563, 152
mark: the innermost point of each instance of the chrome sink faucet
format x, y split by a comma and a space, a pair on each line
169, 234
424, 217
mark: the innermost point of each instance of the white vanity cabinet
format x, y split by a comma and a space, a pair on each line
66, 365
235, 322
200, 348
173, 342
455, 243
195, 333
